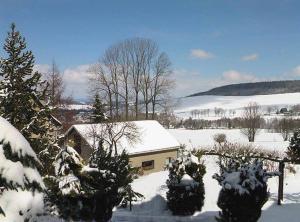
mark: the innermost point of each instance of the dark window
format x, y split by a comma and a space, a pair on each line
77, 143
148, 165
168, 160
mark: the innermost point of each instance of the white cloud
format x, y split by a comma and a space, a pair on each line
296, 71
233, 76
201, 54
251, 57
42, 68
75, 79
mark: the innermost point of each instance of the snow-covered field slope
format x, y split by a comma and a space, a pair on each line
186, 105
205, 138
153, 187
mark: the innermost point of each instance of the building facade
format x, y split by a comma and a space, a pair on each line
155, 148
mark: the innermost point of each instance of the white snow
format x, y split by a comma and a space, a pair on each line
205, 138
19, 203
152, 136
15, 201
187, 104
69, 184
186, 180
235, 102
17, 141
77, 107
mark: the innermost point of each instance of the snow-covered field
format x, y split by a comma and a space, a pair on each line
205, 138
186, 105
153, 187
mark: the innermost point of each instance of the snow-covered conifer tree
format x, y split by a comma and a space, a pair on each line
65, 191
113, 179
185, 183
21, 99
21, 197
293, 150
98, 115
244, 191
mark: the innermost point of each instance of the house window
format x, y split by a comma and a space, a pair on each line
148, 165
77, 143
168, 160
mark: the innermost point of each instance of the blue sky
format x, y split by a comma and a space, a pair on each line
210, 43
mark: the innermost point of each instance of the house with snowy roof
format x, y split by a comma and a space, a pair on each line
154, 148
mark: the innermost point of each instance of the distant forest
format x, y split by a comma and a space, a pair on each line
257, 88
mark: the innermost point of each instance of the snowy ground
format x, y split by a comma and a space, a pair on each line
186, 105
204, 138
153, 187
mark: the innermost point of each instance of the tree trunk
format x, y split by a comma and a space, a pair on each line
136, 105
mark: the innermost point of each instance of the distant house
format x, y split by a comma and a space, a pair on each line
283, 110
154, 148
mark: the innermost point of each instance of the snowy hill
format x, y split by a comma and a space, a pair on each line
254, 88
187, 104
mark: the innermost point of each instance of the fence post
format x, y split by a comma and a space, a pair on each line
280, 186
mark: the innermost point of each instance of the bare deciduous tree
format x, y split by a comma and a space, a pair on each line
111, 134
56, 86
251, 121
161, 82
132, 72
285, 126
101, 83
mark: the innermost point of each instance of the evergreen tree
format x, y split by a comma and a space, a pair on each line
114, 177
185, 183
21, 102
65, 192
89, 192
244, 191
293, 150
99, 111
19, 178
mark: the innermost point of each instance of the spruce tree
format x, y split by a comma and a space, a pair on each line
90, 192
185, 184
293, 150
65, 193
21, 101
113, 178
99, 111
19, 178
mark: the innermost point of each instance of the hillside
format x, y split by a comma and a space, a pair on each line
257, 88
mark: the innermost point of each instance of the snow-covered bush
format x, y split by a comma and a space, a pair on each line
293, 150
244, 191
21, 186
88, 192
185, 184
114, 173
65, 192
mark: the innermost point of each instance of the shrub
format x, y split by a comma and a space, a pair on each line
220, 138
244, 191
185, 184
293, 150
90, 192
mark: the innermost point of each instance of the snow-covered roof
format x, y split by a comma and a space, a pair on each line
152, 136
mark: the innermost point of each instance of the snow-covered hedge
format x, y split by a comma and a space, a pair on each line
185, 183
21, 197
244, 191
